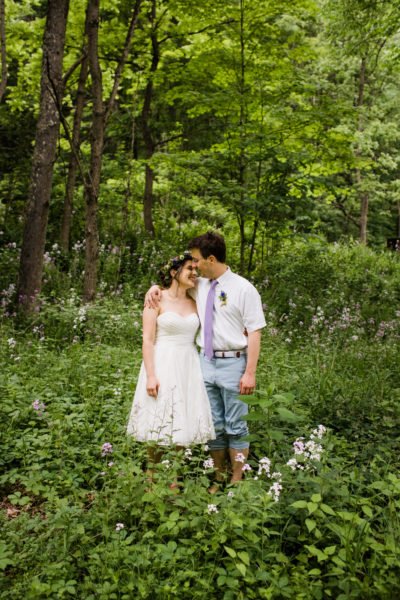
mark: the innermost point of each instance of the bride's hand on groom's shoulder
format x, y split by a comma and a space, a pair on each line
152, 297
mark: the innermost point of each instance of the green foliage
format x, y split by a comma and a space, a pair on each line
252, 119
82, 521
305, 276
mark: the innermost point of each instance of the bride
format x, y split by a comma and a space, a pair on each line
170, 405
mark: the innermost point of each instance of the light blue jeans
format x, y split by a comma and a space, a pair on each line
221, 378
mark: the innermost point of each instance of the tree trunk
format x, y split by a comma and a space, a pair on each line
101, 113
252, 246
3, 51
364, 218
363, 195
148, 200
146, 127
47, 131
241, 221
92, 185
242, 156
73, 161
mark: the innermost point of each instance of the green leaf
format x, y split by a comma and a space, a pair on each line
299, 504
327, 509
367, 510
276, 435
244, 557
316, 498
230, 551
287, 415
241, 568
251, 400
310, 524
254, 416
312, 507
314, 551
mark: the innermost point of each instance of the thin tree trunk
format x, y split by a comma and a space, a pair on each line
3, 50
101, 114
364, 199
252, 245
241, 222
146, 127
242, 156
73, 166
47, 131
92, 186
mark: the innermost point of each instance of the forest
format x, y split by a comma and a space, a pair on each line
127, 127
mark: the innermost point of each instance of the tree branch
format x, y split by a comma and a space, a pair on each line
73, 67
341, 207
187, 33
122, 61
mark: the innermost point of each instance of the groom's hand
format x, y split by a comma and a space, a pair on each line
247, 384
152, 297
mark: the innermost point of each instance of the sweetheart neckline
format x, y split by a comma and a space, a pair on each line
172, 312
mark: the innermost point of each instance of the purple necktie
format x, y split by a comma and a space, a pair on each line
208, 321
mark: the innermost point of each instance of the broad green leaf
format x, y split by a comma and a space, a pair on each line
312, 507
230, 551
367, 510
316, 498
244, 557
288, 415
327, 509
299, 504
310, 524
319, 554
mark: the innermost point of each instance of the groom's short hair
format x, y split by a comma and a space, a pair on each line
210, 244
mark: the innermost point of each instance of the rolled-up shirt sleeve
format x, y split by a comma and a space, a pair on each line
252, 310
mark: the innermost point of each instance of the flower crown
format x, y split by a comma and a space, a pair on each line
177, 261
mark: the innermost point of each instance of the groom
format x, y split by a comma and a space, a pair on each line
231, 318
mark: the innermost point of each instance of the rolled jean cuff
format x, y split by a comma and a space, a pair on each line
238, 443
224, 443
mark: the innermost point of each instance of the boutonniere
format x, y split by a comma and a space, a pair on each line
223, 298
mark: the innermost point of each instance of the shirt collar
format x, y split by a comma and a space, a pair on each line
224, 276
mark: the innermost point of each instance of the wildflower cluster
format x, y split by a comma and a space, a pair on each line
11, 343
208, 464
106, 449
39, 406
240, 458
389, 328
80, 319
39, 331
307, 451
264, 469
7, 297
79, 246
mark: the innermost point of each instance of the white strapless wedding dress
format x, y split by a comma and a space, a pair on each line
181, 414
